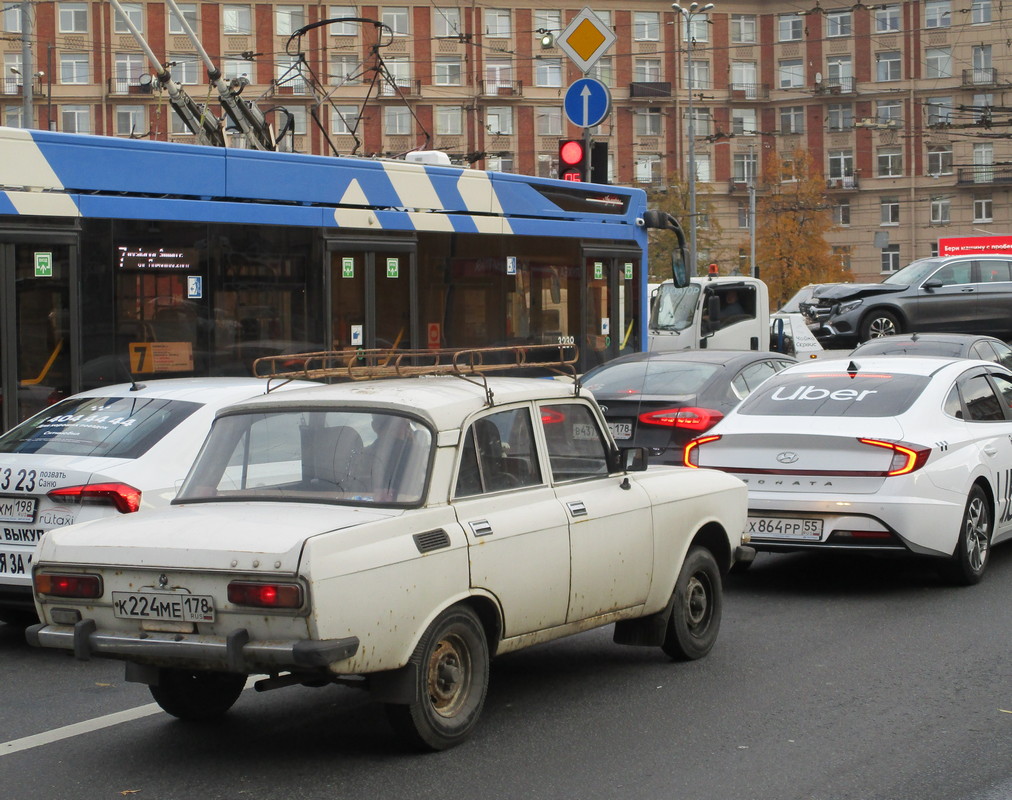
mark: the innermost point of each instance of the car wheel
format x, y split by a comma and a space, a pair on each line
197, 695
966, 566
695, 615
451, 667
878, 324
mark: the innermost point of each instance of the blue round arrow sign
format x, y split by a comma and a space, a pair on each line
587, 102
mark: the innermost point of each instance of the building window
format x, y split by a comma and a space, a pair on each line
345, 70
702, 122
744, 167
938, 62
448, 72
787, 170
891, 258
12, 116
703, 171
938, 110
699, 75
127, 67
887, 66
842, 253
73, 19
499, 163
548, 19
890, 162
396, 120
839, 72
548, 72
12, 18
792, 74
646, 26
841, 163
344, 120
288, 19
648, 168
184, 68
744, 77
941, 211
75, 119
743, 214
499, 120
446, 21
604, 71
236, 20
937, 14
129, 120
189, 14
698, 29
134, 12
841, 213
792, 119
887, 19
647, 70
548, 120
449, 120
743, 122
840, 116
647, 121
839, 23
889, 211
980, 12
983, 209
498, 23
343, 28
940, 160
982, 105
399, 70
74, 68
235, 67
887, 111
790, 27
396, 19
743, 28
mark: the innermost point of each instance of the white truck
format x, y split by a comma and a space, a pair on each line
728, 312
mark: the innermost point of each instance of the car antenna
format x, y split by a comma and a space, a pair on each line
134, 386
852, 369
913, 337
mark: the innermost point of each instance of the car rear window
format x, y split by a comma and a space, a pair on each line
835, 395
650, 377
113, 427
886, 348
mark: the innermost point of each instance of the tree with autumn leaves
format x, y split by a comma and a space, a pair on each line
792, 218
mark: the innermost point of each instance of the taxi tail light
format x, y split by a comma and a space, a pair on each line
126, 498
55, 585
265, 595
688, 417
549, 416
690, 456
906, 457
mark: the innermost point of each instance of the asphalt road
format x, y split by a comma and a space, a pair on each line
831, 680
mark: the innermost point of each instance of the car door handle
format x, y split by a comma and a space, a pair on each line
480, 527
577, 508
968, 289
991, 451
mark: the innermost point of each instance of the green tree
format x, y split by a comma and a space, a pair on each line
792, 219
709, 235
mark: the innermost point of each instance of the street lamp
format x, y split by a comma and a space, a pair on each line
693, 10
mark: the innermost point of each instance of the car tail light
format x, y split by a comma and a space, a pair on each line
906, 457
690, 418
691, 455
54, 585
550, 416
125, 497
265, 595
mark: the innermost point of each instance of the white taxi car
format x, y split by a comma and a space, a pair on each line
885, 453
405, 530
101, 453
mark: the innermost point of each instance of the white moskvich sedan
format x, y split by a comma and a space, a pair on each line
881, 454
404, 530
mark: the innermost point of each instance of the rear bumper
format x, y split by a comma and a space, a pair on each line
232, 653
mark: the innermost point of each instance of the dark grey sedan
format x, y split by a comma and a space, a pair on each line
948, 345
661, 401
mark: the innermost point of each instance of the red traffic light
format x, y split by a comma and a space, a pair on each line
571, 153
574, 165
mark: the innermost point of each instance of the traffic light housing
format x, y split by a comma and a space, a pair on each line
574, 160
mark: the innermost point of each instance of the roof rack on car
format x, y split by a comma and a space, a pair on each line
385, 363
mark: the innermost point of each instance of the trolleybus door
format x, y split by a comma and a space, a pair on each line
611, 318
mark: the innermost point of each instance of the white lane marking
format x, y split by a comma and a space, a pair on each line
78, 728
89, 725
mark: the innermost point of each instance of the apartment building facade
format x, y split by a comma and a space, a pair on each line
901, 105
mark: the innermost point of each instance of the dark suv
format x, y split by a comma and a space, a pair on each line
965, 294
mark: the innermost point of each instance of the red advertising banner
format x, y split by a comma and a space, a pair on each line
972, 245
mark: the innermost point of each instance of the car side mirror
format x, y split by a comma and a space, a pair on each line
931, 285
633, 459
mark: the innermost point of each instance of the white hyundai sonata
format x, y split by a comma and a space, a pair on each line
902, 454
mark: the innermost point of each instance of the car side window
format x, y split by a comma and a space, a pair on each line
993, 271
983, 351
982, 405
576, 446
1004, 386
952, 406
953, 274
498, 454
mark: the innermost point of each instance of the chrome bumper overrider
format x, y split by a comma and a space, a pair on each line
233, 653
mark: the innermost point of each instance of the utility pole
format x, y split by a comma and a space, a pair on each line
27, 67
751, 209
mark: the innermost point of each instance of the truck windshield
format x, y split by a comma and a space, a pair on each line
674, 308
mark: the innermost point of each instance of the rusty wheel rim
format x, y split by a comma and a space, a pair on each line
449, 675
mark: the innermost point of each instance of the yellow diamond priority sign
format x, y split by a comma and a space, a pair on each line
586, 39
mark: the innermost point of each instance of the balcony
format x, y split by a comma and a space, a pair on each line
405, 88
835, 86
749, 91
649, 89
848, 183
12, 84
980, 76
983, 174
291, 85
501, 88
